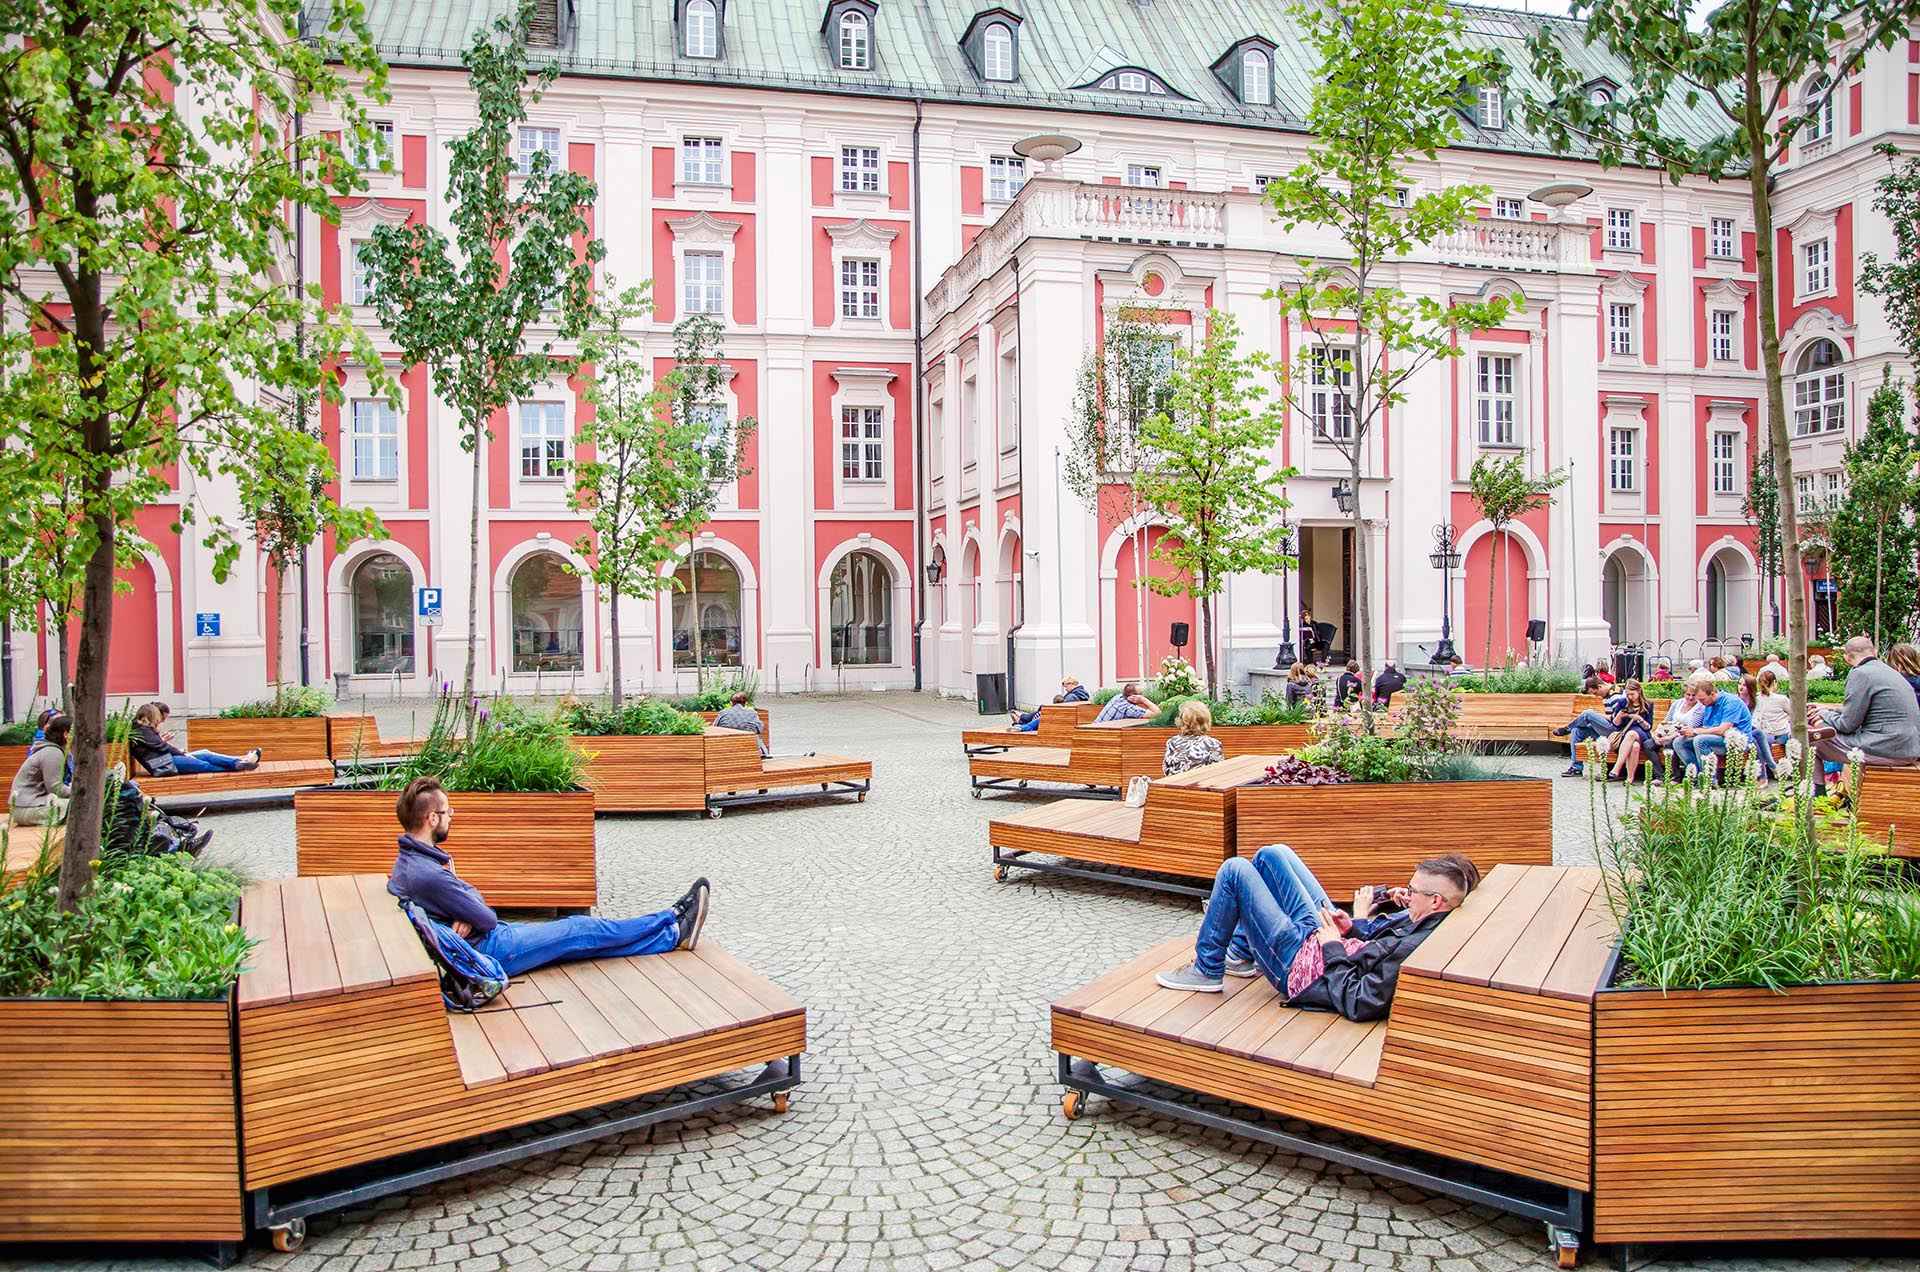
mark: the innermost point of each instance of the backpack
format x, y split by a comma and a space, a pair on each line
469, 980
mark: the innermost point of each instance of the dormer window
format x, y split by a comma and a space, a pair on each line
1256, 78
856, 42
1133, 81
702, 29
997, 52
1600, 95
1819, 104
1490, 108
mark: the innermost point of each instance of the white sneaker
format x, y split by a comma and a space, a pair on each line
1190, 978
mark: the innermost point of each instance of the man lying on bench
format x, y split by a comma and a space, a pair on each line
1271, 916
423, 874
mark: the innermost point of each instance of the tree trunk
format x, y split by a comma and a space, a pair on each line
1363, 617
1205, 615
693, 617
1758, 177
1141, 598
613, 626
89, 711
1493, 563
473, 563
1879, 576
63, 692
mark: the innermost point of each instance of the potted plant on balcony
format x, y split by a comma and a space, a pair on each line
525, 829
290, 725
1757, 1041
115, 1021
1412, 795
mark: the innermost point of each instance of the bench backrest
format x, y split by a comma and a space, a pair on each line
1890, 804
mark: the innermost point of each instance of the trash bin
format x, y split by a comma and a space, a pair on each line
1630, 664
990, 688
341, 684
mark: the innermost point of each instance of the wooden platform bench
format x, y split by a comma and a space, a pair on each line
1890, 807
756, 779
1092, 761
270, 784
1143, 748
1058, 720
1484, 1064
356, 1081
357, 737
710, 772
1186, 827
278, 738
1518, 717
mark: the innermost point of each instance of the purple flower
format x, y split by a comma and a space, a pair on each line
483, 715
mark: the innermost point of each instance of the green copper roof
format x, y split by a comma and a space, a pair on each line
917, 53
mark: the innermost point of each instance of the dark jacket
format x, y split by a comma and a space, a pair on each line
1390, 681
423, 874
147, 745
1076, 694
1879, 714
1348, 686
1360, 985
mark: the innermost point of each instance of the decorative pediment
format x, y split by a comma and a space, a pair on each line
1816, 323
1727, 411
862, 233
1625, 286
703, 229
372, 212
1727, 291
862, 375
1813, 223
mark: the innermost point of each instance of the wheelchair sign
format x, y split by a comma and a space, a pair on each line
429, 607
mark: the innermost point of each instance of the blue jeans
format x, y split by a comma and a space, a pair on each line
1029, 725
522, 947
204, 762
1269, 906
1763, 751
1695, 751
1587, 726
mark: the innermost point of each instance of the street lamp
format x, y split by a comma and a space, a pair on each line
936, 567
1343, 496
1446, 559
1286, 655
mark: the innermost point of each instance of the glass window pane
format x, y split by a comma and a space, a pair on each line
382, 616
547, 616
709, 591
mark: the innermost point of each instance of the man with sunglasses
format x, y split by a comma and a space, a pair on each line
1271, 917
423, 874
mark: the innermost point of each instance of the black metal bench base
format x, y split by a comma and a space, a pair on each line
1081, 791
1003, 858
740, 799
356, 1185
1566, 1222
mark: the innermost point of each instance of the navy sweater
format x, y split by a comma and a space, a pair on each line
423, 874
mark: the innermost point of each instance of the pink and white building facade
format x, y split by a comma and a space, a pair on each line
907, 300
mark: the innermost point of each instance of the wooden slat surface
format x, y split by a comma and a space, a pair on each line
646, 774
521, 851
1890, 808
780, 772
277, 739
1518, 717
271, 775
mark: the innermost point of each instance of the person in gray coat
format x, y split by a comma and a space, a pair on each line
40, 791
1878, 718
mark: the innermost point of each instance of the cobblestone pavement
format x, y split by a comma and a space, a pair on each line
928, 1132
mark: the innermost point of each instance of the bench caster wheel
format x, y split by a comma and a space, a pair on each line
861, 800
715, 812
1001, 874
780, 1101
975, 792
1073, 1104
289, 1236
1565, 1245
1023, 786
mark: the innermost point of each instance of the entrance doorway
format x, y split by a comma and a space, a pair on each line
1326, 588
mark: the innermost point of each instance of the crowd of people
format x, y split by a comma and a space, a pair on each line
42, 787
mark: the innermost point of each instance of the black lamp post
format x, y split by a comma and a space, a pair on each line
1446, 559
1343, 495
1286, 656
936, 566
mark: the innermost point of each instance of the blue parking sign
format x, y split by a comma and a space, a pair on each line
206, 624
429, 606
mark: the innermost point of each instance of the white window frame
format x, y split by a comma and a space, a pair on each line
1621, 231
1256, 88
1145, 176
378, 153
1835, 488
378, 427
1490, 107
1723, 462
1623, 329
861, 389
359, 281
1005, 175
860, 170
1819, 399
856, 42
863, 443
1330, 392
703, 161
1803, 492
1261, 180
1132, 82
703, 29
996, 52
1623, 460
1723, 345
1816, 267
1006, 380
1508, 208
1495, 428
860, 287
543, 423
1722, 239
703, 295
533, 140
1820, 111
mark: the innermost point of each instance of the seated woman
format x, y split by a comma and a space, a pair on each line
1905, 659
1302, 685
1192, 746
1633, 736
162, 758
1772, 717
40, 791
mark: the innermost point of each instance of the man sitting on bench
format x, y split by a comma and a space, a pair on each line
1128, 704
423, 874
1271, 916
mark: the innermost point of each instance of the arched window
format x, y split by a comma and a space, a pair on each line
856, 50
1819, 391
703, 29
709, 590
1600, 95
1256, 78
1819, 100
546, 616
862, 611
382, 616
997, 47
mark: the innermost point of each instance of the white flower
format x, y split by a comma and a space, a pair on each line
1856, 756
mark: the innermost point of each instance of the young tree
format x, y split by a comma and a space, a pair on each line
1876, 546
1504, 491
1122, 381
1743, 69
45, 574
463, 308
1206, 467
1897, 281
1388, 91
147, 173
1761, 507
712, 449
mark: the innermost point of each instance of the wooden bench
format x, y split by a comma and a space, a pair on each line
713, 770
1058, 720
1143, 748
777, 778
1486, 1057
272, 775
1518, 717
1890, 806
295, 738
1186, 827
1092, 760
349, 1056
357, 737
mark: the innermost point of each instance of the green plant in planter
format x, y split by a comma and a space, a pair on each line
1271, 709
289, 702
151, 927
498, 747
1524, 680
638, 718
19, 733
1101, 697
718, 695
